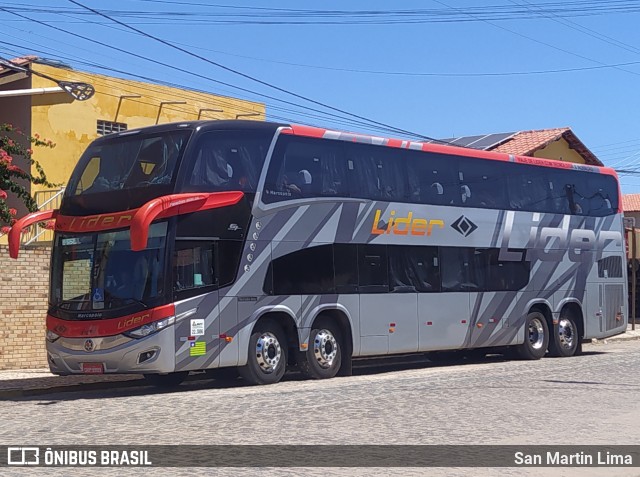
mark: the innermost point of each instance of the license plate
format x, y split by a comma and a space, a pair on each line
92, 368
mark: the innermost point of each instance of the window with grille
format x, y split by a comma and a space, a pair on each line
108, 127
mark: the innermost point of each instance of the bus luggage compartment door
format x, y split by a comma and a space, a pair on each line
444, 320
388, 323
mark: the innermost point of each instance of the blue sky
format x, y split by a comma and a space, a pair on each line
326, 62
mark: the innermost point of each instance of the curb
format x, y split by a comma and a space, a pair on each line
615, 339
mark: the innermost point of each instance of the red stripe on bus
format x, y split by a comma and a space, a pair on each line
107, 327
16, 230
172, 205
305, 131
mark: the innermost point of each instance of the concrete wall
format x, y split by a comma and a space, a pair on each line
560, 151
24, 285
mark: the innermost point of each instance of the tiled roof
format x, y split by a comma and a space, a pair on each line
21, 61
526, 143
631, 202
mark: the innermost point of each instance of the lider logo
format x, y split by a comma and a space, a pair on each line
464, 226
404, 225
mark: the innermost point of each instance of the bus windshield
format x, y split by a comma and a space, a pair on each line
101, 272
129, 162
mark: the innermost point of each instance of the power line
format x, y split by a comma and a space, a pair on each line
171, 66
538, 41
252, 78
198, 95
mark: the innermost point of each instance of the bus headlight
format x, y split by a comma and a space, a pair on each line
51, 336
150, 328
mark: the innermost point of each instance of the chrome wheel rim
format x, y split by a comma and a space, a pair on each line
325, 348
566, 333
268, 352
536, 333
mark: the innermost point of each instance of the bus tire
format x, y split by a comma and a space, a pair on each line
266, 355
324, 355
536, 337
170, 380
565, 339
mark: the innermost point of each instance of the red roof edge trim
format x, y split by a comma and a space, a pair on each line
172, 205
309, 131
16, 230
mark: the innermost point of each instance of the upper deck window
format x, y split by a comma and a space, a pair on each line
129, 162
227, 160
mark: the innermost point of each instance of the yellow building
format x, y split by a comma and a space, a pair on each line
38, 106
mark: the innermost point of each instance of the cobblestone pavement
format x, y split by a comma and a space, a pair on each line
590, 399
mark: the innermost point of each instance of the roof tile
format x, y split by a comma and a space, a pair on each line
631, 202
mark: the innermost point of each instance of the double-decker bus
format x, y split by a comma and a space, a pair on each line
199, 245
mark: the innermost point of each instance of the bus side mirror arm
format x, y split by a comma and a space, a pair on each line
172, 205
16, 230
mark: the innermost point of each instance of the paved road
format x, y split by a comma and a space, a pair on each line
591, 399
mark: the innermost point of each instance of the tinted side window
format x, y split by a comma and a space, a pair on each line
504, 276
228, 259
458, 269
561, 189
345, 258
377, 173
229, 160
303, 167
193, 265
413, 269
528, 188
372, 269
482, 183
596, 194
610, 267
433, 178
307, 271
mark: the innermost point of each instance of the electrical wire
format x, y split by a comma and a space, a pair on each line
253, 78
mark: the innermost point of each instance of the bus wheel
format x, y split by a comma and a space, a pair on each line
536, 337
564, 340
170, 380
324, 354
267, 356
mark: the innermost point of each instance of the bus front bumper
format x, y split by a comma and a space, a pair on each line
114, 354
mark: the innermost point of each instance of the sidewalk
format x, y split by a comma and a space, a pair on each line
34, 382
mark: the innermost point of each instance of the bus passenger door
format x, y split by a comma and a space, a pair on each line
197, 329
228, 344
388, 321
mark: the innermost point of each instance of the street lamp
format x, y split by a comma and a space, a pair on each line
77, 90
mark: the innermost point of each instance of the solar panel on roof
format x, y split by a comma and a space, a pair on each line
491, 140
483, 142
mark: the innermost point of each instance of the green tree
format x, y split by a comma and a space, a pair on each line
15, 143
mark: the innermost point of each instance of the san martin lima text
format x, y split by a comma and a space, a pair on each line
577, 458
